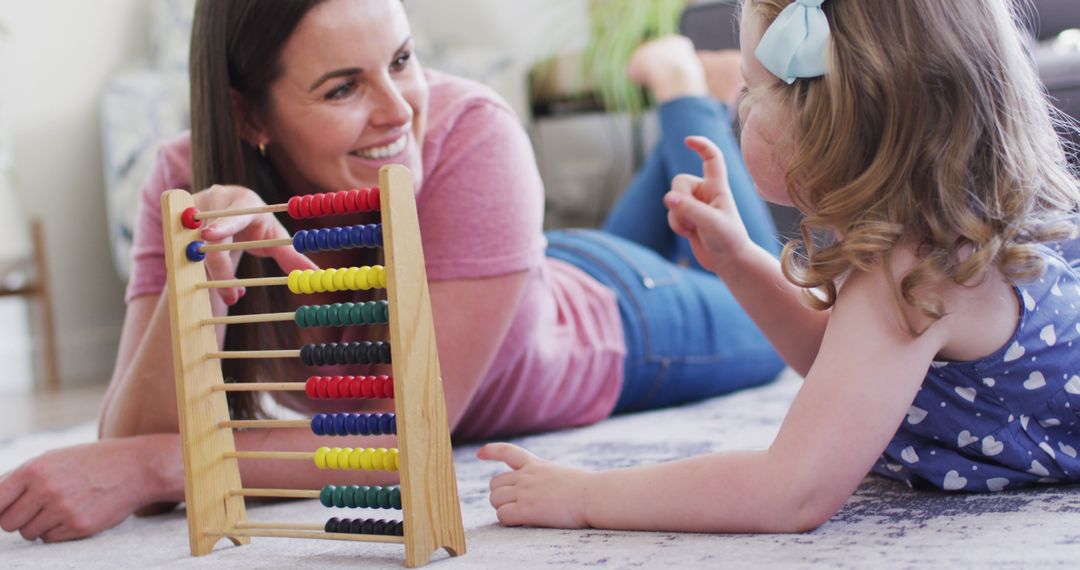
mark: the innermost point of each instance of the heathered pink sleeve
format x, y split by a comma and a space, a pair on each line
172, 169
482, 203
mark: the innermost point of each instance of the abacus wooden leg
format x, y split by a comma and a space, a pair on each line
431, 507
209, 476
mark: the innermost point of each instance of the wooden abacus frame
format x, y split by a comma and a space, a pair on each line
212, 488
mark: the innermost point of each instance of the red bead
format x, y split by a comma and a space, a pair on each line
384, 383
311, 387
328, 204
367, 390
354, 387
187, 218
317, 205
294, 208
339, 203
373, 200
323, 388
333, 387
305, 206
351, 200
389, 387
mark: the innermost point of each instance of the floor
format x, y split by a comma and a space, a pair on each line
26, 413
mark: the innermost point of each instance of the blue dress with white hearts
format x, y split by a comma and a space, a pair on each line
1009, 419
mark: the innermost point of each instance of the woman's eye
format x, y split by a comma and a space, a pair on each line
401, 62
341, 91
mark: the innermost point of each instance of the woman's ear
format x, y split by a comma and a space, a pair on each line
249, 125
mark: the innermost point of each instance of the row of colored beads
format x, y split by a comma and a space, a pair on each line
343, 314
354, 424
365, 458
365, 526
332, 239
354, 387
343, 279
361, 497
334, 203
362, 352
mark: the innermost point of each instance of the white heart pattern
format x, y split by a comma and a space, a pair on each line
966, 392
1050, 422
909, 455
1038, 469
1055, 290
1029, 303
991, 446
1024, 422
989, 382
953, 481
1067, 449
1073, 385
915, 415
1049, 450
894, 467
965, 438
996, 484
1035, 381
1015, 351
1048, 335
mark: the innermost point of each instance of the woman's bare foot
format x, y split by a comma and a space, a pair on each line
723, 75
668, 67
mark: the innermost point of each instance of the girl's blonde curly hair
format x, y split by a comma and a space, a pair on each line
930, 126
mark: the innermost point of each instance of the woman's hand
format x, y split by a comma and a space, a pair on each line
703, 211
79, 491
537, 492
222, 264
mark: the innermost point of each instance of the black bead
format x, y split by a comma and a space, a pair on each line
384, 353
305, 355
357, 526
339, 353
332, 525
367, 527
362, 352
379, 527
350, 354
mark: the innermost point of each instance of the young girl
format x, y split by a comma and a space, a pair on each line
938, 347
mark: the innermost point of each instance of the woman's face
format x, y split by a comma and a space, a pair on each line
351, 98
761, 116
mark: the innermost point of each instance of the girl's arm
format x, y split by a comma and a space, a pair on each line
848, 409
703, 211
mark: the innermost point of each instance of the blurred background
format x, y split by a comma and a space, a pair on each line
89, 88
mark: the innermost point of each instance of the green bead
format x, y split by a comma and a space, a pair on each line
395, 497
326, 496
384, 499
349, 496
361, 496
335, 315
356, 316
299, 317
322, 316
339, 497
384, 313
345, 314
365, 313
373, 497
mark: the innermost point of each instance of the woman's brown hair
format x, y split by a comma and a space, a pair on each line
929, 126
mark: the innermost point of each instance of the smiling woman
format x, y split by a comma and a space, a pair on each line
306, 96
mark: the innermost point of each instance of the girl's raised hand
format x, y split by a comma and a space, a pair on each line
537, 492
703, 211
222, 264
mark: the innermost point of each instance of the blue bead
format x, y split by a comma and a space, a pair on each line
384, 423
298, 241
378, 235
193, 253
362, 424
322, 238
356, 236
309, 241
367, 237
339, 424
393, 424
317, 424
350, 424
333, 238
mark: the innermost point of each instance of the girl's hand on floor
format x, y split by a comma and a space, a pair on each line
75, 492
222, 264
537, 492
703, 211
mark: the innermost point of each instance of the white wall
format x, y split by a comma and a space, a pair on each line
55, 62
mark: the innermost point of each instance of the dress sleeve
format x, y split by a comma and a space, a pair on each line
148, 247
481, 207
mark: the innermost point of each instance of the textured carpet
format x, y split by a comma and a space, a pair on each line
884, 525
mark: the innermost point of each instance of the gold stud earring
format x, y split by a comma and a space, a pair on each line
262, 149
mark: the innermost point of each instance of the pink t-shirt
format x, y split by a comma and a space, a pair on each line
480, 209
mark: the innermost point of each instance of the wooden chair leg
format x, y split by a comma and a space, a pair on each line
46, 325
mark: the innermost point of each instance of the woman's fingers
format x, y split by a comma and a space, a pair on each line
41, 524
512, 455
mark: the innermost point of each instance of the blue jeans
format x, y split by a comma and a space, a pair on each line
687, 338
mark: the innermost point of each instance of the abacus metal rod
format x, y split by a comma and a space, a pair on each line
260, 387
275, 493
254, 354
275, 533
254, 318
245, 424
235, 245
211, 214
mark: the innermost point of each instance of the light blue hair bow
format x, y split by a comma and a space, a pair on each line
794, 45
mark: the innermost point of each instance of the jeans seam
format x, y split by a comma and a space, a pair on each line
646, 279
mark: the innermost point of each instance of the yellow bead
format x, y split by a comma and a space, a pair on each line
362, 278
378, 459
354, 458
392, 458
305, 281
337, 455
365, 460
339, 279
294, 281
350, 278
320, 457
380, 277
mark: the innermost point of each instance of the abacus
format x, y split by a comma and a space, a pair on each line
427, 492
